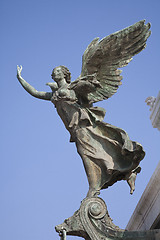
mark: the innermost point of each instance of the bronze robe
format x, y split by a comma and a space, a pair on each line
107, 152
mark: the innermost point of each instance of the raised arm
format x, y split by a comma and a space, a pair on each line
31, 90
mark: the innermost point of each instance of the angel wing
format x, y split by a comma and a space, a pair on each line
104, 57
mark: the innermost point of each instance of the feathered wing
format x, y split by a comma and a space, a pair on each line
104, 57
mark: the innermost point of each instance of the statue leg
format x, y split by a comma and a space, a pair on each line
93, 177
93, 173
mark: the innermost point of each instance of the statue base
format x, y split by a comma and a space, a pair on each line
92, 222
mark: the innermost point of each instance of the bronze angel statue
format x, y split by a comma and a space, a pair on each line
107, 152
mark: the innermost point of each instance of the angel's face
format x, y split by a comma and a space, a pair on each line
57, 74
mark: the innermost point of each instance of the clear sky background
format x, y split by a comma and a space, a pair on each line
42, 180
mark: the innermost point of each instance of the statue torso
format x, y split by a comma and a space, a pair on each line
63, 94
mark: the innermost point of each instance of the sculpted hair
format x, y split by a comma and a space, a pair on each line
66, 73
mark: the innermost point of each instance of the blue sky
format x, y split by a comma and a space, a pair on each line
42, 179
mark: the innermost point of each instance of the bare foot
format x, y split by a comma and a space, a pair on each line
93, 193
131, 182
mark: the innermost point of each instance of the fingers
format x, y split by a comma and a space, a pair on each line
19, 69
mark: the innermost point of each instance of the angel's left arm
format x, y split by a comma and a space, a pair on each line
85, 85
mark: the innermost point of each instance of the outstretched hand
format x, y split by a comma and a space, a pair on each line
19, 70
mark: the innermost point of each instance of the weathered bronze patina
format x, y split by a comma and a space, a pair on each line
92, 222
107, 152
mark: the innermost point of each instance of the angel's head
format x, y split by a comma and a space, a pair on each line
61, 72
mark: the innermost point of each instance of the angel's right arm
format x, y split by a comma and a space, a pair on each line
31, 90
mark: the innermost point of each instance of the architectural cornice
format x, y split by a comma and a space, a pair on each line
154, 103
148, 208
